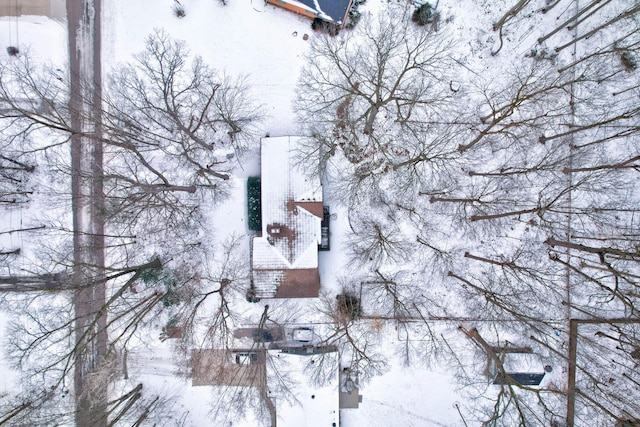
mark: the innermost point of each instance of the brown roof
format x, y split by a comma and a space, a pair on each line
314, 207
299, 283
214, 367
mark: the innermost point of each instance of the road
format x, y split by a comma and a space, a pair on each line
87, 202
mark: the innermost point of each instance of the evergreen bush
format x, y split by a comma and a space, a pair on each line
325, 27
179, 11
628, 61
254, 213
423, 15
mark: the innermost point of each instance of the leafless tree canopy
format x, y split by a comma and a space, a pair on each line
507, 207
516, 194
172, 130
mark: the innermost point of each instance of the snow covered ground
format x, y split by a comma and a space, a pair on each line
267, 44
241, 38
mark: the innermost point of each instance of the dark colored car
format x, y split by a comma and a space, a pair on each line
262, 335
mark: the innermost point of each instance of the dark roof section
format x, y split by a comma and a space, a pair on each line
523, 378
300, 283
335, 9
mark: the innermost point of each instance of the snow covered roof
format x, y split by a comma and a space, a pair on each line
525, 368
286, 254
316, 405
328, 10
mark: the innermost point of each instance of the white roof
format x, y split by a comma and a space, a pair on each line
317, 406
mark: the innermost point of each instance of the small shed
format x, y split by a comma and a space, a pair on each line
526, 369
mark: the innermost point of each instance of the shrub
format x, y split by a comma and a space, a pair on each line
251, 296
349, 306
325, 27
171, 296
424, 15
152, 276
353, 19
628, 61
178, 10
542, 54
253, 203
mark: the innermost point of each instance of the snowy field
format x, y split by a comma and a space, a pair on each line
261, 45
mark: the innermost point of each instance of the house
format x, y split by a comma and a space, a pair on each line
56, 9
333, 11
284, 256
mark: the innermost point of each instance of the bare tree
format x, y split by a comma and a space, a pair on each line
163, 158
531, 99
174, 127
508, 402
356, 340
169, 127
14, 180
378, 92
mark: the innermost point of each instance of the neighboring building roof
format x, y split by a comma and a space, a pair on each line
527, 369
328, 10
317, 405
217, 367
521, 378
285, 257
55, 9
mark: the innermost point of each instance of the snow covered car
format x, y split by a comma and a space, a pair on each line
302, 334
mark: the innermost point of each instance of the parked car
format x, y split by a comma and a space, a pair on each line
245, 357
302, 334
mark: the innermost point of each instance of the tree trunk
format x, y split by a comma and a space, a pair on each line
435, 199
622, 165
43, 282
568, 21
371, 117
626, 115
510, 14
592, 250
625, 14
504, 214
